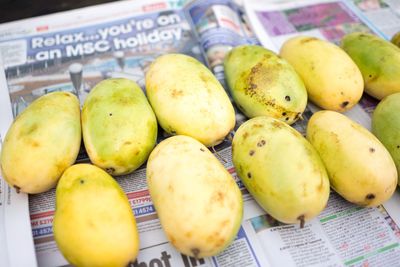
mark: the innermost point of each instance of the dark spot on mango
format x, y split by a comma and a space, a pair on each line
283, 113
371, 149
398, 146
110, 170
127, 142
17, 188
252, 86
261, 143
251, 152
245, 135
302, 221
66, 94
287, 118
249, 174
110, 114
344, 104
195, 252
173, 132
287, 98
82, 181
341, 93
370, 196
201, 149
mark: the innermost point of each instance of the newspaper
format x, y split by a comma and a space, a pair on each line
74, 50
384, 14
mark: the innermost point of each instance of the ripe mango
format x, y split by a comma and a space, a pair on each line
386, 125
188, 100
42, 142
93, 222
198, 202
281, 170
360, 168
378, 60
332, 79
263, 84
119, 127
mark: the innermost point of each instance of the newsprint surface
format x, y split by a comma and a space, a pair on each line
72, 51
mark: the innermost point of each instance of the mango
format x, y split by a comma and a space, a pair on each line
332, 79
263, 84
280, 169
42, 142
198, 202
119, 127
386, 126
378, 60
360, 168
396, 39
93, 222
188, 100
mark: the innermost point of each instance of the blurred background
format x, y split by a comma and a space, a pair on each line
19, 9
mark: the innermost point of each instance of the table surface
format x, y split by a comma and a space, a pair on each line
19, 9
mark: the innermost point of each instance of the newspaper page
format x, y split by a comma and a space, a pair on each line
72, 51
343, 234
384, 14
16, 246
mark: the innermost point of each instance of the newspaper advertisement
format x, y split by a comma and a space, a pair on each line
384, 14
74, 50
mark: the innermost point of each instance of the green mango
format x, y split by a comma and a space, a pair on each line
360, 168
118, 125
93, 222
280, 169
42, 142
198, 202
188, 100
263, 84
378, 61
386, 126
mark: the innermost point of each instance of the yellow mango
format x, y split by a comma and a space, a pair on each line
93, 222
360, 168
332, 79
280, 169
119, 127
188, 100
197, 201
42, 142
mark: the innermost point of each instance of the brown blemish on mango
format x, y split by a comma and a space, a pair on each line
307, 40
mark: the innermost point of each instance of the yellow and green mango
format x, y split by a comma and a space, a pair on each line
118, 125
280, 169
42, 142
386, 125
263, 84
378, 60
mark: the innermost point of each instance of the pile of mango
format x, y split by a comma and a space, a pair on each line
198, 202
